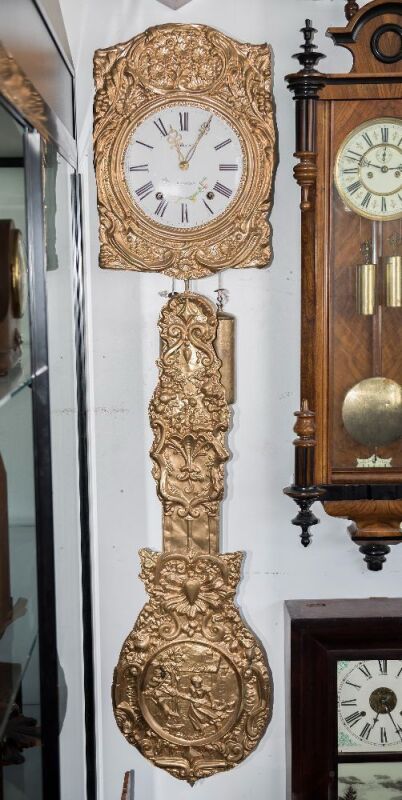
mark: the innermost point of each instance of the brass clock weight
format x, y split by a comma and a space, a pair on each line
349, 147
184, 155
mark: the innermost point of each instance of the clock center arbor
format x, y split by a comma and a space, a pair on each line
349, 146
184, 143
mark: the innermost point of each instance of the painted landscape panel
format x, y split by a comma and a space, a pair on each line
375, 781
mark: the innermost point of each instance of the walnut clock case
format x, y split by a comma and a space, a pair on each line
184, 155
349, 146
344, 698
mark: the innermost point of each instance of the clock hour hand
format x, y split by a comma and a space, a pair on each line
175, 140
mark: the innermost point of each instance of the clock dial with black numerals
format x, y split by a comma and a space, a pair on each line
184, 166
368, 169
370, 706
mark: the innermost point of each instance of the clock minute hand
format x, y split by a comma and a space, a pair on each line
203, 130
397, 728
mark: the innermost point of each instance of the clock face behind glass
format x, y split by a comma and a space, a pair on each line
370, 706
368, 169
184, 166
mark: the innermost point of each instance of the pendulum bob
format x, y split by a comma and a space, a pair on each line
372, 412
366, 295
225, 348
393, 282
5, 584
192, 688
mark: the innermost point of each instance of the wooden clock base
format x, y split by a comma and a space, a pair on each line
376, 524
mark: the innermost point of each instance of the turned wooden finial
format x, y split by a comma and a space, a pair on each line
309, 57
351, 8
305, 426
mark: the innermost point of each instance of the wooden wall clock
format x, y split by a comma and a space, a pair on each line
344, 707
184, 154
349, 144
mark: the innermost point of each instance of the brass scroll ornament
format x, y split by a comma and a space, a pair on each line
192, 688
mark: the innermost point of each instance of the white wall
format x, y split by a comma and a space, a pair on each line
123, 310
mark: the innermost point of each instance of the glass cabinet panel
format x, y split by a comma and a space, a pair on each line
60, 285
20, 695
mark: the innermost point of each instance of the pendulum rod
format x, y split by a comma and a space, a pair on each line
377, 239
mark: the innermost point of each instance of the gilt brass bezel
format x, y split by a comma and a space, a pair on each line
170, 232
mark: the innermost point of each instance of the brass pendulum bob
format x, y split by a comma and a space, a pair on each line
192, 688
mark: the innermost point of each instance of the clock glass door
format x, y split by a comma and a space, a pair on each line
184, 166
21, 738
369, 729
365, 287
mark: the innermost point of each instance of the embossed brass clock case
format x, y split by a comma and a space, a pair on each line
191, 65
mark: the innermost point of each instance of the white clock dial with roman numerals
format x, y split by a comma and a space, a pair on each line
368, 169
370, 706
184, 166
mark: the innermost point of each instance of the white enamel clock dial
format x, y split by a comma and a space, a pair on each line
368, 169
370, 706
183, 166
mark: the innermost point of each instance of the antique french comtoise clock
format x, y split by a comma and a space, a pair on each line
349, 143
184, 155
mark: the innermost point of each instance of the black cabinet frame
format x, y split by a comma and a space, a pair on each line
41, 127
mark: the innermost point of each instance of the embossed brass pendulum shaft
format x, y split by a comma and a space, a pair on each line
192, 688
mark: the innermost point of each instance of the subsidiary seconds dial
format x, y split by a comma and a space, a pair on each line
370, 706
183, 166
368, 169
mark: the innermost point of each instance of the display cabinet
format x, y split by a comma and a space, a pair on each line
45, 658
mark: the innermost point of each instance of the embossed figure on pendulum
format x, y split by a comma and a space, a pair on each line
192, 688
184, 142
